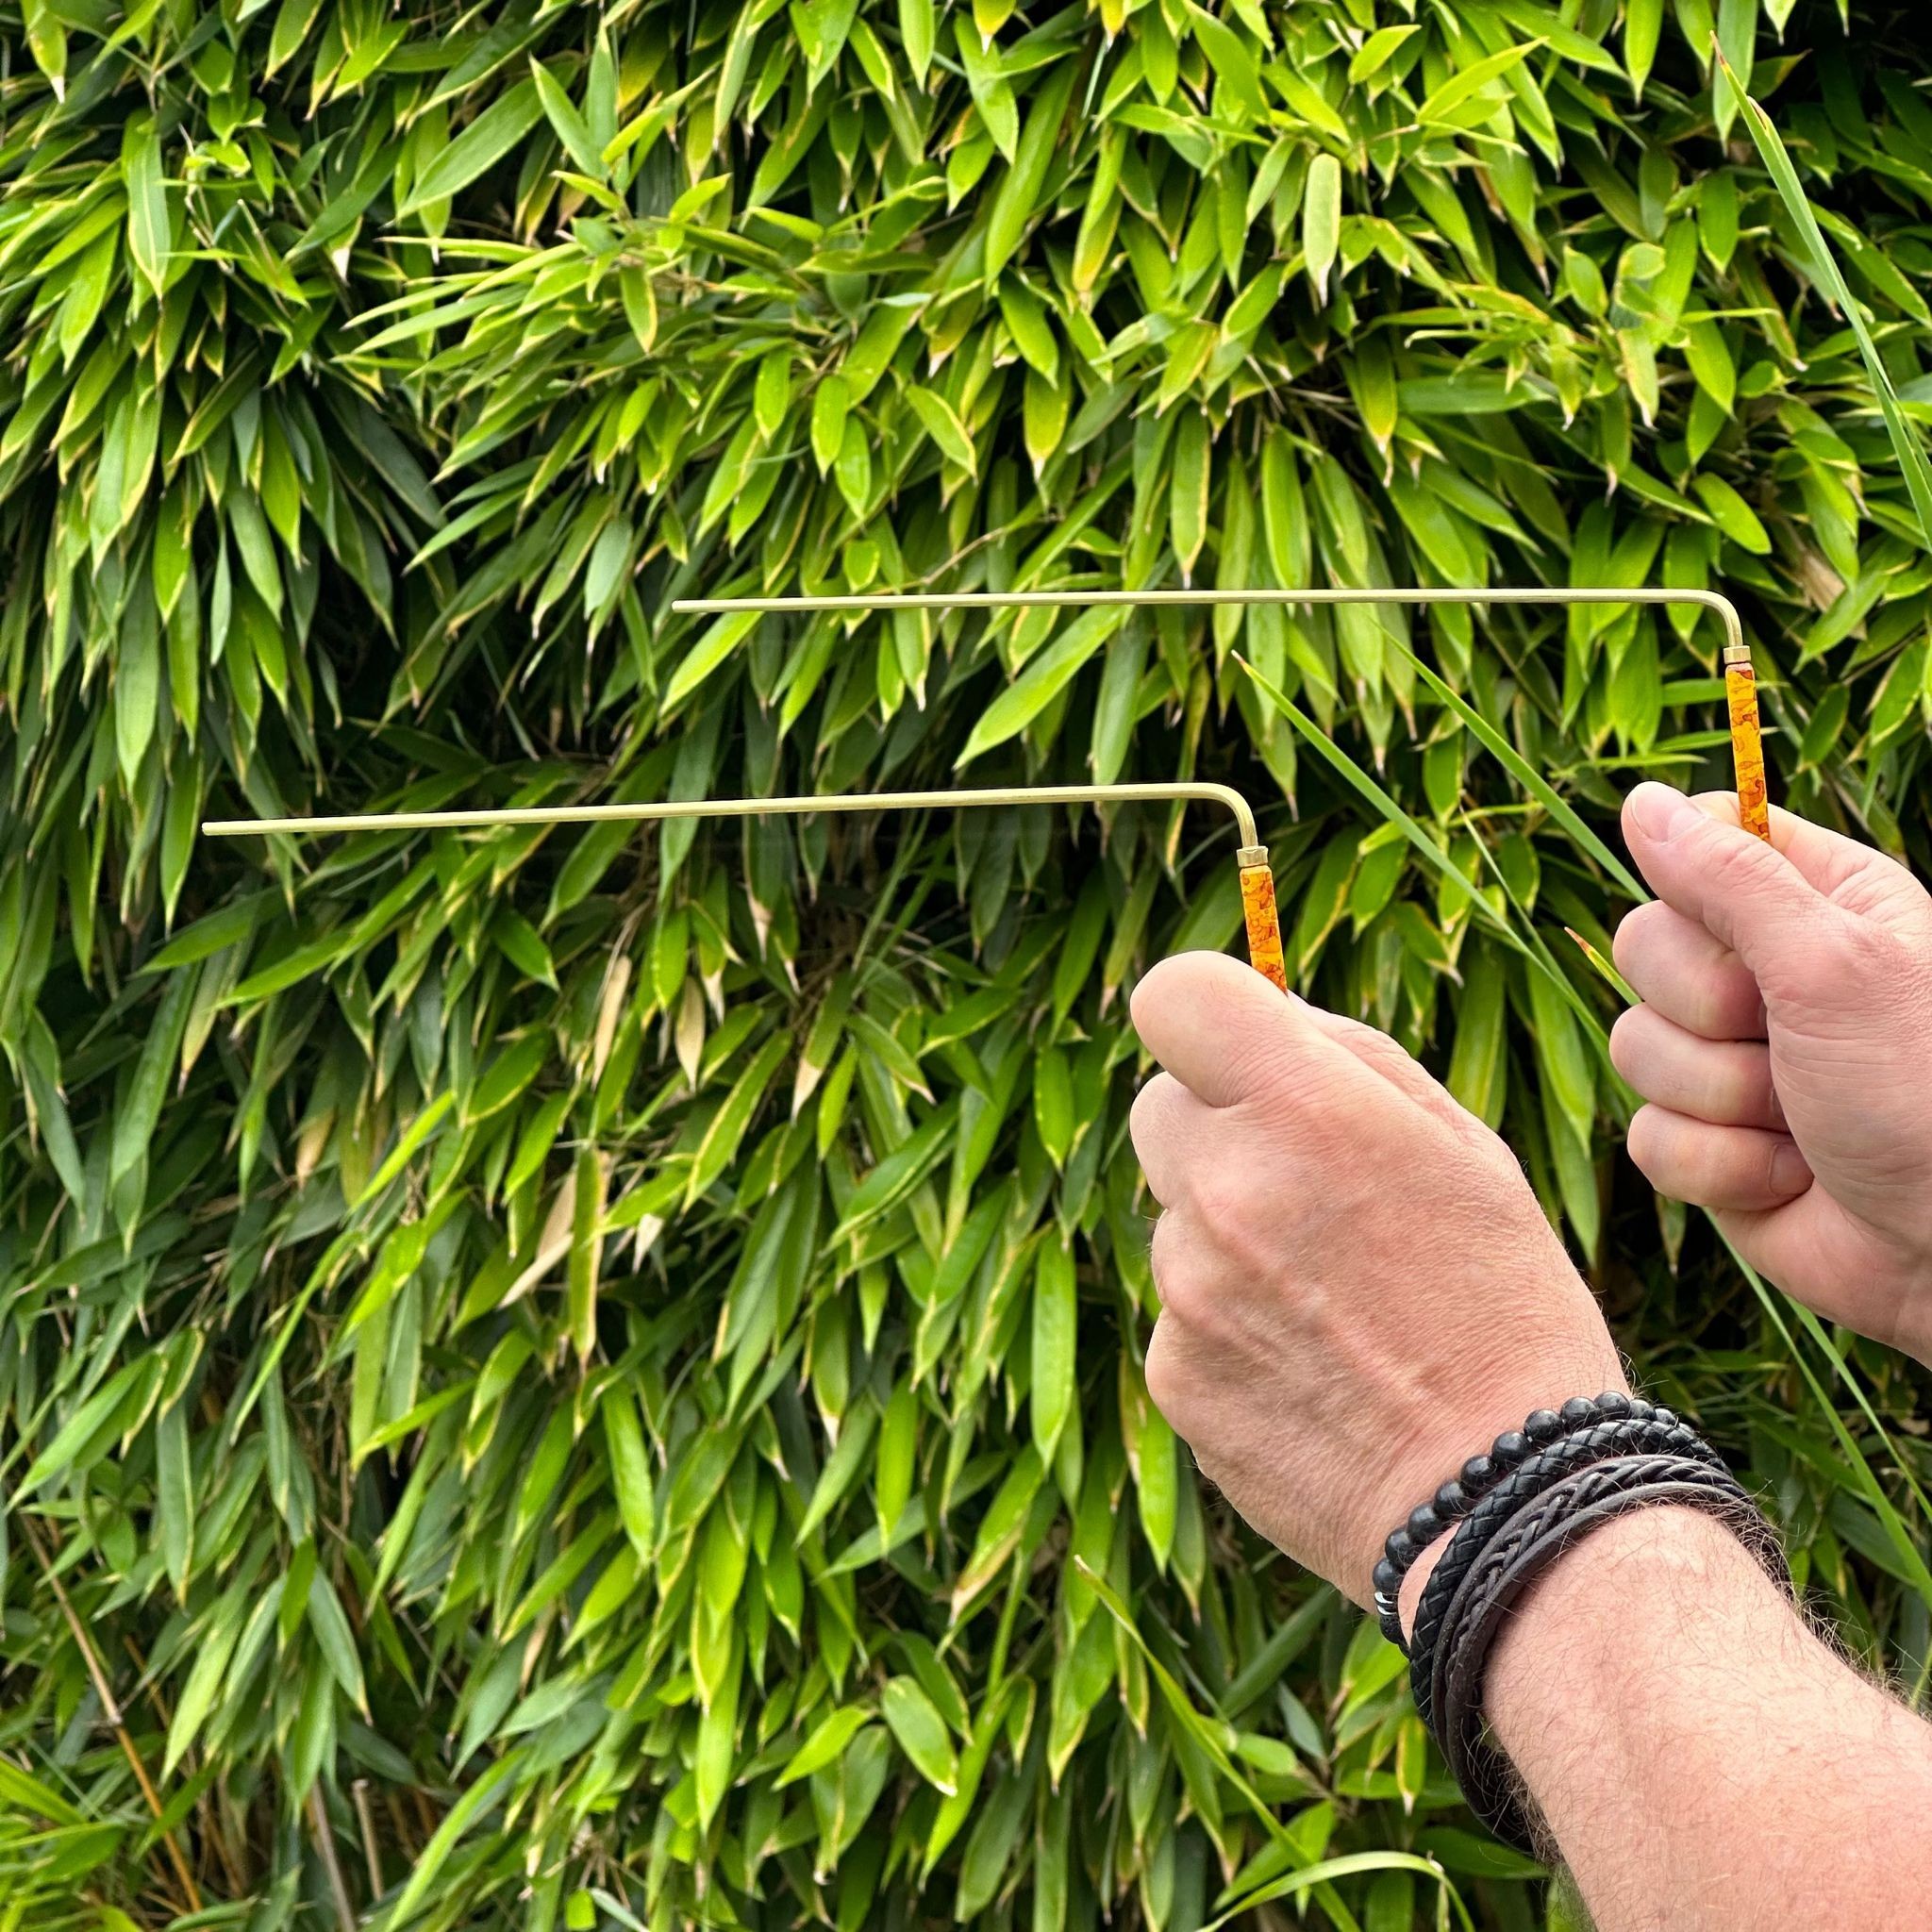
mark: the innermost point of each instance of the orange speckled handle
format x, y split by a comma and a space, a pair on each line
1747, 749
1264, 928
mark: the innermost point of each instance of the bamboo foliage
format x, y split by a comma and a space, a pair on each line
586, 1379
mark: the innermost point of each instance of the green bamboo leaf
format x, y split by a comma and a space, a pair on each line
216, 1643
569, 126
726, 1129
478, 148
510, 1073
1043, 680
898, 1449
473, 1804
1322, 222
1019, 193
149, 240
1377, 51
921, 1733
1056, 1329
1732, 514
337, 1641
630, 1468
944, 428
1471, 80
1188, 497
718, 642
175, 1487
826, 1744
916, 36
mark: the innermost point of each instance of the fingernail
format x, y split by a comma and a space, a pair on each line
1790, 1172
1661, 811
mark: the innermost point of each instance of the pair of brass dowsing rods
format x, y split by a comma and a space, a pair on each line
1256, 881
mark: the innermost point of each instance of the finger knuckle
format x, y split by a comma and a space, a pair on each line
1220, 1200
1645, 1143
1149, 1110
1167, 1383
1732, 867
1174, 1265
1631, 946
1627, 1043
1379, 1051
1191, 1273
1175, 1385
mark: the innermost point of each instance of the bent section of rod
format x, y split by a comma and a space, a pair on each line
754, 808
1007, 600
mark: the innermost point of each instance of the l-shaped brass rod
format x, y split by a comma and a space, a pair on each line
1251, 858
1083, 600
1740, 684
751, 809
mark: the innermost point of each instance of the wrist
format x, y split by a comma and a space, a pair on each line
1614, 1630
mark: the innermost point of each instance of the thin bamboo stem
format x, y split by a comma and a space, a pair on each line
372, 1847
110, 1710
332, 1865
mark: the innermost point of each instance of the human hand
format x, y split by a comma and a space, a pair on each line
1358, 1289
1786, 1048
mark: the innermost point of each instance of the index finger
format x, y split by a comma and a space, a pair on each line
1858, 878
1824, 858
1225, 1034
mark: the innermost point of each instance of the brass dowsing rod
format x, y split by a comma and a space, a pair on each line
1740, 683
1257, 879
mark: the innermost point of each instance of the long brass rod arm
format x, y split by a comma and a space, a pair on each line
753, 807
1008, 600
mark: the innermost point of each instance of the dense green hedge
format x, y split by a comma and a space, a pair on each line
593, 1379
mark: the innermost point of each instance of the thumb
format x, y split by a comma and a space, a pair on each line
1227, 1035
1747, 895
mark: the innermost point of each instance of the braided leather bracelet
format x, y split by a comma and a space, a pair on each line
1570, 1512
1476, 1478
1656, 1432
1580, 1490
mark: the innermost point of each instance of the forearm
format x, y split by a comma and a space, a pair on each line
1702, 1761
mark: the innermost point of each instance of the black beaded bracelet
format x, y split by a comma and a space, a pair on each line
1478, 1475
1565, 1515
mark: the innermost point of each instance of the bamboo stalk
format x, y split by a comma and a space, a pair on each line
110, 1709
372, 1848
325, 1846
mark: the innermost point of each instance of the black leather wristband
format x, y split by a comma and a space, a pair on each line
1570, 1512
1542, 1512
1653, 1432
